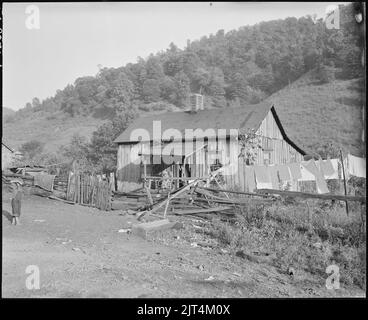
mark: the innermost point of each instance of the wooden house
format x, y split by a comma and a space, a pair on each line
276, 147
8, 155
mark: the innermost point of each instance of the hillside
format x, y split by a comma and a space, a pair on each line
315, 114
8, 112
54, 132
312, 114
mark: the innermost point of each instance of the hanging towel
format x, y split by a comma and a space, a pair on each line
306, 174
274, 177
284, 173
295, 171
262, 174
249, 178
356, 166
45, 181
329, 169
320, 180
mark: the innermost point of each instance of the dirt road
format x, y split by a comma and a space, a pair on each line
80, 253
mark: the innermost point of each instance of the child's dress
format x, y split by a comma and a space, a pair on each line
16, 203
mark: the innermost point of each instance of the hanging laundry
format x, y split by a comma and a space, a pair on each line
274, 177
264, 185
262, 174
330, 169
320, 180
250, 181
284, 173
356, 166
295, 170
306, 174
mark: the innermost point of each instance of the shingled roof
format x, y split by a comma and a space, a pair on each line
246, 117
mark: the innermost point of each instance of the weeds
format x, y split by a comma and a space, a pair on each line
310, 244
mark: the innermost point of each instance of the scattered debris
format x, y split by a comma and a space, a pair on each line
291, 271
317, 245
124, 230
258, 257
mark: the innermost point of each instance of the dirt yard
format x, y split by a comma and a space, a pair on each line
80, 253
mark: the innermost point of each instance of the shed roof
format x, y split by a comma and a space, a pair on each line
10, 149
247, 117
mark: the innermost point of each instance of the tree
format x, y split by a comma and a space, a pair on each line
36, 103
102, 149
151, 90
77, 150
154, 68
182, 89
31, 148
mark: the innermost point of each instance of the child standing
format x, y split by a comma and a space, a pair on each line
16, 200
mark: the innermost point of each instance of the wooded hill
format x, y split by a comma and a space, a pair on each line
231, 69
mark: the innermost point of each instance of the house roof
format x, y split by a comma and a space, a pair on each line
247, 117
10, 149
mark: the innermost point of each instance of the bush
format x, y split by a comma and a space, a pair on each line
325, 74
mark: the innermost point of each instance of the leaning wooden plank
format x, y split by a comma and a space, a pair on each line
195, 211
162, 203
236, 192
17, 175
149, 196
313, 195
144, 229
59, 199
240, 202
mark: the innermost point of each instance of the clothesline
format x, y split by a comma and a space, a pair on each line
279, 176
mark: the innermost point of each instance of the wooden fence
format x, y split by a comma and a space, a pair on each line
90, 190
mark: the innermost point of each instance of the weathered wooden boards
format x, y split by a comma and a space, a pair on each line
199, 210
313, 195
89, 190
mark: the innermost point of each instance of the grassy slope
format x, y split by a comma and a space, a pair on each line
53, 132
7, 112
317, 113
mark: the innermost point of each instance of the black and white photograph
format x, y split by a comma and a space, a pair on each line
183, 150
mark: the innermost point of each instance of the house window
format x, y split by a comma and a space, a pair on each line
267, 158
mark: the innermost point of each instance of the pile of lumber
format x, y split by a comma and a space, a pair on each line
136, 200
195, 199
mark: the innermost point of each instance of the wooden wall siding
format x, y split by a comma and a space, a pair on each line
279, 150
274, 147
128, 173
269, 127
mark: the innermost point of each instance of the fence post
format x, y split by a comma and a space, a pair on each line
343, 174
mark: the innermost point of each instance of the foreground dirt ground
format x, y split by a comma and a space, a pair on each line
81, 254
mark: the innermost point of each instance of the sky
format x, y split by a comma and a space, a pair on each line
74, 38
